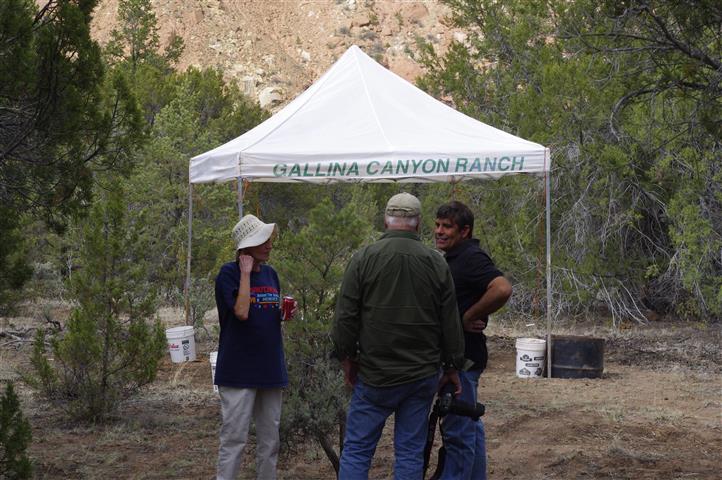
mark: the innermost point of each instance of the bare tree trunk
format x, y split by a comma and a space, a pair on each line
341, 434
341, 430
329, 451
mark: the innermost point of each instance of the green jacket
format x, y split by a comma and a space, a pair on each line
396, 312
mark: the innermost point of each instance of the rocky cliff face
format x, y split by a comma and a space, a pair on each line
276, 48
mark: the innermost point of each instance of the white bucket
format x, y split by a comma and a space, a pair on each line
530, 355
213, 357
181, 344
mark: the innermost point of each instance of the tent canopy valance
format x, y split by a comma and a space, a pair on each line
362, 123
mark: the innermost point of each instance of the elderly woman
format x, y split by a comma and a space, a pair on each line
251, 368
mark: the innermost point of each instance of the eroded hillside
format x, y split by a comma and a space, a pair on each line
275, 49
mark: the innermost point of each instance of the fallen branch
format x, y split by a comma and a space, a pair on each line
16, 334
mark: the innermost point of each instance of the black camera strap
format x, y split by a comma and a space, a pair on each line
430, 435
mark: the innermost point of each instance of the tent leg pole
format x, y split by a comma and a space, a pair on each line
188, 256
549, 272
239, 182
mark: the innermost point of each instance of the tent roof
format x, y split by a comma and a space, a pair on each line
361, 122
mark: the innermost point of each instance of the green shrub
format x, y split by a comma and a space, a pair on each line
15, 437
109, 348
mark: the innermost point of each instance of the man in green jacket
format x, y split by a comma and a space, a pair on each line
397, 325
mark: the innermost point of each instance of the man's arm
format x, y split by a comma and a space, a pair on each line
496, 295
347, 322
452, 341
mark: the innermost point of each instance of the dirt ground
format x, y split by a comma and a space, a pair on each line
655, 414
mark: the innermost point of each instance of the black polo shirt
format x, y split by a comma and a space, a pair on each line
472, 270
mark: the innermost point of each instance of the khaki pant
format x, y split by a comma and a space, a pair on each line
238, 407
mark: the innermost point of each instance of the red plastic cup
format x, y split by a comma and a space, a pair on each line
287, 306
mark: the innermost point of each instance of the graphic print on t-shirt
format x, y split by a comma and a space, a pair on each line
264, 297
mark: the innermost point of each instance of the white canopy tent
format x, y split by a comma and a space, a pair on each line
360, 122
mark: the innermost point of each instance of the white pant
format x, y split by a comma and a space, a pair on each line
238, 407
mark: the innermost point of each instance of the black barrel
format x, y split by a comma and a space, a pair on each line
577, 357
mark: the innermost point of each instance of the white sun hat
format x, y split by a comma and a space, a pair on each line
251, 232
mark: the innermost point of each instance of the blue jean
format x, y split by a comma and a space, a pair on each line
464, 438
370, 407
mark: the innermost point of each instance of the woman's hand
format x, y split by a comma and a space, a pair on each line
245, 263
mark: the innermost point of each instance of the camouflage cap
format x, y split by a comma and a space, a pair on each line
403, 205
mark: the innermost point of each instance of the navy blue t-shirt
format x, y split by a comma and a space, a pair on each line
250, 352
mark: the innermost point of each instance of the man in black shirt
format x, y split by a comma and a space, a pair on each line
481, 289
